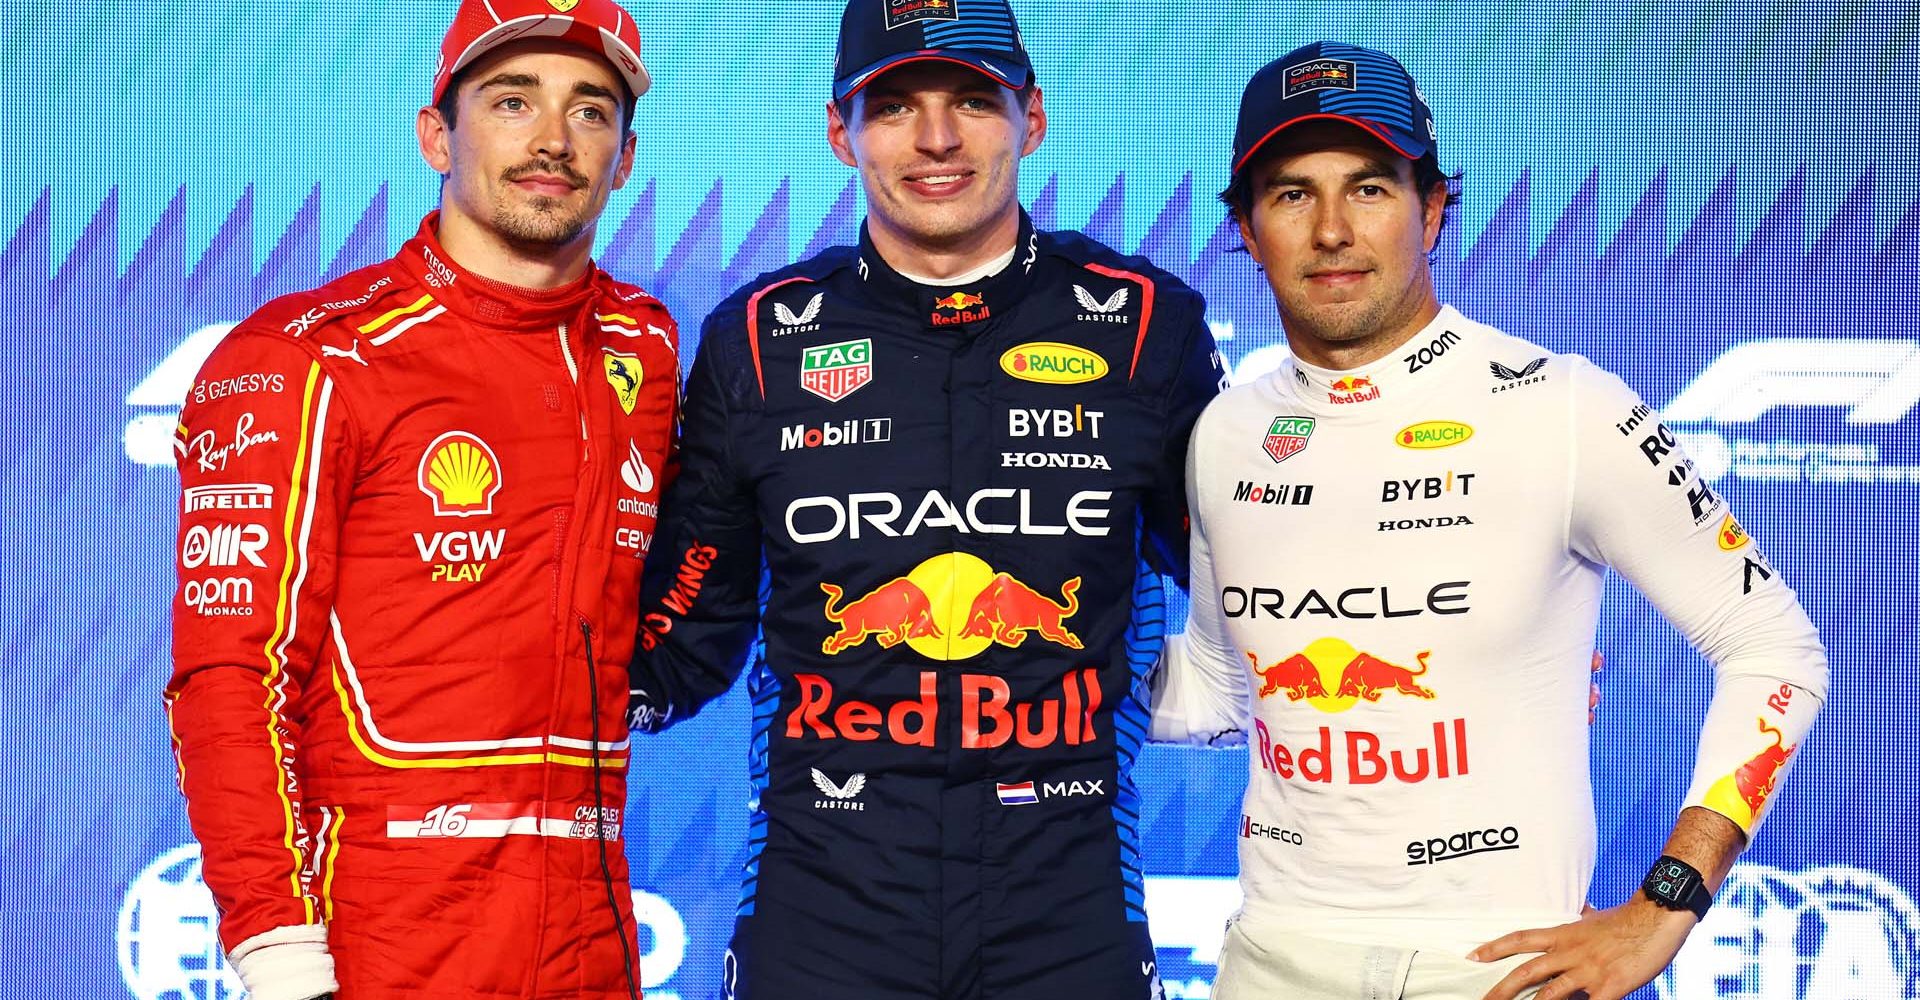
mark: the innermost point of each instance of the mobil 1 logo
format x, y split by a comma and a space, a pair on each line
1272, 495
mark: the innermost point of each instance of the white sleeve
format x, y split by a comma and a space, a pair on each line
286, 963
1199, 686
1641, 508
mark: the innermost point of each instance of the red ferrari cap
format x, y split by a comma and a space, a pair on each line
599, 26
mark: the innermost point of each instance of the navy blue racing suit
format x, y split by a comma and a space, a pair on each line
964, 499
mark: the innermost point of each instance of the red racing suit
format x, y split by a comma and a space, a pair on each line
415, 505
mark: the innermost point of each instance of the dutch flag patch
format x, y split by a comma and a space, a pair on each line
1019, 794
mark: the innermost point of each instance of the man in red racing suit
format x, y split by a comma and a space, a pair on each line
415, 504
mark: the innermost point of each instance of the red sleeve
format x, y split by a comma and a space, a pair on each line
265, 468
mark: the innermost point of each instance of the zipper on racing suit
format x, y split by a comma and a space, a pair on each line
564, 597
600, 807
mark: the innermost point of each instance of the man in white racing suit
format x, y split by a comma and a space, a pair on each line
1399, 544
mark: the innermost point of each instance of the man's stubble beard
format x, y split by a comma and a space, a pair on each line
1349, 322
1343, 323
541, 221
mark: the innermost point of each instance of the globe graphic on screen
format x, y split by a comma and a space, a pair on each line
166, 938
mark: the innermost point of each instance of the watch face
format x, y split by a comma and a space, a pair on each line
1670, 881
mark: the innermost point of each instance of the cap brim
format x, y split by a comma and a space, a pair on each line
1397, 145
995, 68
559, 28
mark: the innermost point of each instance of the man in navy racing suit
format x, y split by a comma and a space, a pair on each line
958, 448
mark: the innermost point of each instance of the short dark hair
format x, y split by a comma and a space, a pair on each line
1238, 197
449, 103
1022, 97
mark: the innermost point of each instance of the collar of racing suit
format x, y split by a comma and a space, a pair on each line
487, 302
1399, 374
954, 305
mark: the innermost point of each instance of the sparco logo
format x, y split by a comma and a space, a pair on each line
1253, 829
1434, 850
870, 431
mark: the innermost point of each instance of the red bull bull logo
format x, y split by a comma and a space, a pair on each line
1332, 676
1351, 675
951, 607
897, 611
959, 307
1356, 389
1742, 795
1008, 610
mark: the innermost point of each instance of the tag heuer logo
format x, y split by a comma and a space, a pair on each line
1287, 437
834, 371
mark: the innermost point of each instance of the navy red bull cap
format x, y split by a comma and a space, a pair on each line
602, 27
877, 35
1333, 80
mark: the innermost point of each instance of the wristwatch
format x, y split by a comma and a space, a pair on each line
1675, 885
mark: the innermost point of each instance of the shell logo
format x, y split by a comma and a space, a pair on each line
460, 474
1057, 364
1433, 434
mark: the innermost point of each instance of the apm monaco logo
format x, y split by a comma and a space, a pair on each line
835, 371
1287, 437
460, 474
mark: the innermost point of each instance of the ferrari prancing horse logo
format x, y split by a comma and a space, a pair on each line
624, 374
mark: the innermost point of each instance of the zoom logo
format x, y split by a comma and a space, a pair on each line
1434, 850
